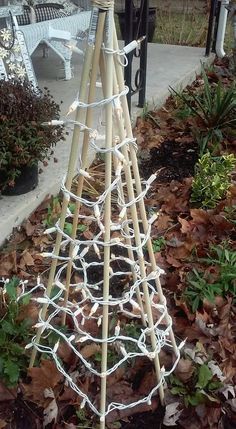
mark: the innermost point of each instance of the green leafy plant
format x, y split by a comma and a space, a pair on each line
14, 334
214, 108
132, 330
225, 260
158, 244
84, 421
112, 357
200, 287
53, 214
202, 386
145, 111
23, 139
212, 179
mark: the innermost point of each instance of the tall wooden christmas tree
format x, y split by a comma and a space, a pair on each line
111, 277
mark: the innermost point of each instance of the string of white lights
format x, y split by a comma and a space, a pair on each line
113, 405
83, 337
129, 281
81, 249
127, 356
101, 103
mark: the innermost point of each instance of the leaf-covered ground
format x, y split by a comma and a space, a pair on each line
196, 248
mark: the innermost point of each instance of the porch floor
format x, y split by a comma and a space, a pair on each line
168, 65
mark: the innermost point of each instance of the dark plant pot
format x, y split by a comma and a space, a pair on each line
25, 182
151, 24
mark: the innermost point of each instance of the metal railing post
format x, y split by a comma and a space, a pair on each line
129, 14
211, 27
143, 54
138, 21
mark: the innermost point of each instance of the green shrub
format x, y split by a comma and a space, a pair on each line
212, 180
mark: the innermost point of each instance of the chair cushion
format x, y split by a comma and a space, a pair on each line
43, 12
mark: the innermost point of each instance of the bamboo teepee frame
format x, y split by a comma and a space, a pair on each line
121, 176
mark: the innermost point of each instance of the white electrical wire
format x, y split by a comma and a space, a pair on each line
89, 298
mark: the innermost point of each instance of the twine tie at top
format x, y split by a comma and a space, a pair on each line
103, 4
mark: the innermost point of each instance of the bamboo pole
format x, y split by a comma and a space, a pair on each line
107, 211
70, 174
142, 209
134, 215
89, 123
126, 229
130, 251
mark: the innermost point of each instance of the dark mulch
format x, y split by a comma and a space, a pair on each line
171, 160
149, 420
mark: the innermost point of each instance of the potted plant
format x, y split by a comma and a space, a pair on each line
23, 139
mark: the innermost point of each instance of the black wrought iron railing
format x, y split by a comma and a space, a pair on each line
212, 26
135, 26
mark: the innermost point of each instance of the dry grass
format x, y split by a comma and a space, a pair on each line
188, 28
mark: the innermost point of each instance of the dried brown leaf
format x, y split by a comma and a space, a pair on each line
29, 311
90, 350
116, 376
29, 228
184, 370
7, 394
26, 260
8, 265
45, 377
186, 226
147, 383
66, 353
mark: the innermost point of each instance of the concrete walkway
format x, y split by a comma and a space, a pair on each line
168, 65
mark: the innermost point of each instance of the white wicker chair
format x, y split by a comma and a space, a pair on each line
39, 32
44, 33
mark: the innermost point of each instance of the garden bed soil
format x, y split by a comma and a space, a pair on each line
172, 160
